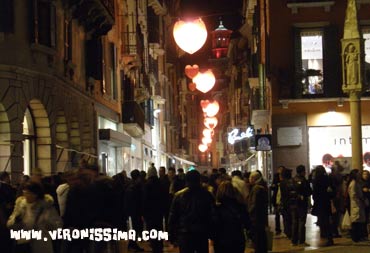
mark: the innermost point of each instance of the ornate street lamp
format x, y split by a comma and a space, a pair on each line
190, 36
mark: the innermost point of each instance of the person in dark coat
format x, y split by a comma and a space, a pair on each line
133, 204
322, 197
190, 216
275, 188
285, 187
258, 210
7, 199
299, 206
154, 206
365, 185
120, 184
230, 220
179, 182
165, 185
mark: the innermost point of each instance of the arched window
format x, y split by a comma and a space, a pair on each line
29, 154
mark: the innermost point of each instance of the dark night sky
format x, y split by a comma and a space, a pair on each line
211, 11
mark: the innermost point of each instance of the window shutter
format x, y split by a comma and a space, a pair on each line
297, 87
6, 16
332, 62
52, 25
94, 58
32, 16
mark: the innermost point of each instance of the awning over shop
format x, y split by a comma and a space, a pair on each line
182, 160
114, 138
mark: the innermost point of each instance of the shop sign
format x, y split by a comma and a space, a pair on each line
326, 144
263, 142
236, 135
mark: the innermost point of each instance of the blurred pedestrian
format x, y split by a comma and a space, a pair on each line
34, 210
154, 206
258, 211
230, 220
322, 195
190, 216
357, 207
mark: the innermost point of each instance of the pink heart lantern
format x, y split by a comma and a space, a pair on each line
191, 71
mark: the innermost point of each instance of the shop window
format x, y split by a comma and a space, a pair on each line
312, 62
6, 16
44, 22
317, 62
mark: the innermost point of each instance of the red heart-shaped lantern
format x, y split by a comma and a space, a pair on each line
208, 133
211, 122
206, 140
205, 81
190, 36
212, 109
204, 104
191, 71
192, 86
202, 147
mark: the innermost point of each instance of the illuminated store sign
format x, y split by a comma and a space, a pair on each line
326, 144
235, 136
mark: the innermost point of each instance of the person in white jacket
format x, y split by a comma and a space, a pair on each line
35, 210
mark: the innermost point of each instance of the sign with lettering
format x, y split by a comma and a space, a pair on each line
236, 135
328, 143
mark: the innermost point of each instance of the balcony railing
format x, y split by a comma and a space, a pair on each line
133, 118
97, 16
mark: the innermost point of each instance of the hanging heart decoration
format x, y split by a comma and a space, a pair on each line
212, 109
211, 122
191, 71
205, 81
192, 86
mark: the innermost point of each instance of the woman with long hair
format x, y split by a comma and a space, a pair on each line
230, 220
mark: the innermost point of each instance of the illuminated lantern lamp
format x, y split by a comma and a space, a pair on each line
202, 147
212, 109
191, 71
206, 140
210, 123
190, 36
205, 81
204, 104
192, 86
208, 133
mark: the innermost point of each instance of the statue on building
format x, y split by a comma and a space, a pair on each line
351, 65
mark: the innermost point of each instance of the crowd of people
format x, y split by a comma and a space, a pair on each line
198, 210
340, 202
